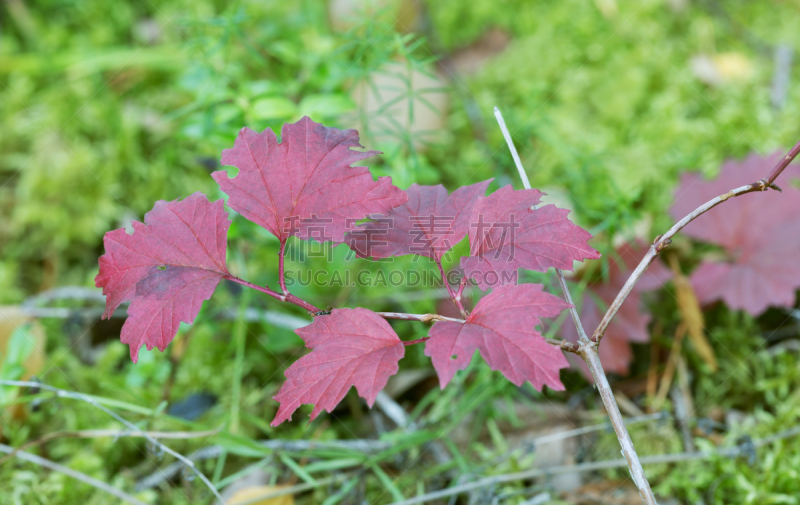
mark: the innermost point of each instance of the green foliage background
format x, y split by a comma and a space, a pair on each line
106, 107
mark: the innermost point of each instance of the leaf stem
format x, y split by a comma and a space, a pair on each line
453, 296
790, 156
423, 318
288, 297
281, 275
417, 341
461, 287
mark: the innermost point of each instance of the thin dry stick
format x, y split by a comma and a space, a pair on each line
527, 184
46, 463
286, 446
63, 393
398, 415
108, 433
577, 432
32, 306
728, 452
662, 241
588, 351
652, 371
669, 370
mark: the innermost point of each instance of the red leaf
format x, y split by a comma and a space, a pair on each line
166, 269
630, 323
429, 224
502, 328
305, 185
507, 234
760, 233
351, 347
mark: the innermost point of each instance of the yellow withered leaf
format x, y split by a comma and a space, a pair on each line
691, 314
250, 496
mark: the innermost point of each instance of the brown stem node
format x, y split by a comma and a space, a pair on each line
660, 246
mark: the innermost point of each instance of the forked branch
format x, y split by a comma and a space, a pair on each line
662, 241
587, 350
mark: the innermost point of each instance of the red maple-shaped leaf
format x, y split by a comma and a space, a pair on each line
166, 268
506, 234
350, 347
429, 224
760, 233
503, 328
630, 323
304, 186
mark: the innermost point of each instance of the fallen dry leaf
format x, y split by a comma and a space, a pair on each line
692, 316
246, 495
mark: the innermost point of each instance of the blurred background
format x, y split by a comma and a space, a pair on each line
106, 107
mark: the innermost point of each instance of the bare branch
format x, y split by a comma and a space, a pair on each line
573, 311
662, 241
251, 314
565, 345
526, 183
66, 293
46, 463
398, 415
628, 451
588, 351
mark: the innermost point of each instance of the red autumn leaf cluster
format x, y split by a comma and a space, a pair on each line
305, 186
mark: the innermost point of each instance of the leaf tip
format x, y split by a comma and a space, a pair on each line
134, 353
